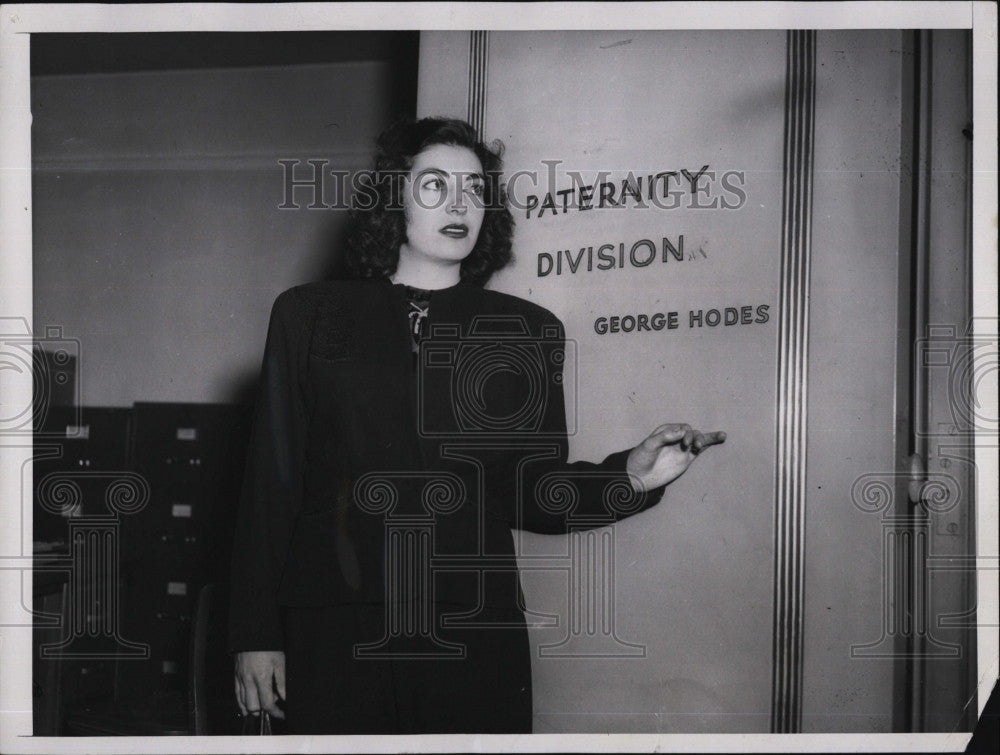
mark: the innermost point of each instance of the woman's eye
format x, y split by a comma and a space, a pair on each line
434, 184
476, 190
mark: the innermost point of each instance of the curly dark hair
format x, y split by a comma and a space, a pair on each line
377, 220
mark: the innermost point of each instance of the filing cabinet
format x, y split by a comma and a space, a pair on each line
192, 457
81, 462
134, 510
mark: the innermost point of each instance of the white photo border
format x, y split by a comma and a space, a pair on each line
18, 22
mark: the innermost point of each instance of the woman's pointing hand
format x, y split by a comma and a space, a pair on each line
667, 453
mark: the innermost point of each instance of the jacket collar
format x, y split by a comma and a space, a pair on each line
441, 296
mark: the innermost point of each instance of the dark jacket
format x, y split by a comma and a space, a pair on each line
354, 440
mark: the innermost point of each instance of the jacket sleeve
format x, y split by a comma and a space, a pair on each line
553, 495
272, 483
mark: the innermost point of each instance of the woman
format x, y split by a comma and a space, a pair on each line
409, 418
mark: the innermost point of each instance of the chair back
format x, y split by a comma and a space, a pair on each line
212, 705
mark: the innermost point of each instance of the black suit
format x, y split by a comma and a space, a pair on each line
379, 494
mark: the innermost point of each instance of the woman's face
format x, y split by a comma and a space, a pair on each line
443, 202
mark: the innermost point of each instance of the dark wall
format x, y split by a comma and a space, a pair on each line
158, 241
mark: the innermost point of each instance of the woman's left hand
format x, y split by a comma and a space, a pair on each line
667, 453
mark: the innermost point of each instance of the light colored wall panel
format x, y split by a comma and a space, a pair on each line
852, 374
693, 575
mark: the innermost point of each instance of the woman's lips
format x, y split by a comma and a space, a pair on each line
455, 231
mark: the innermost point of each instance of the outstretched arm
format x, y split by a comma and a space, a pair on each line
597, 487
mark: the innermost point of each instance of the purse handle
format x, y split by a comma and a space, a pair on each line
257, 724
